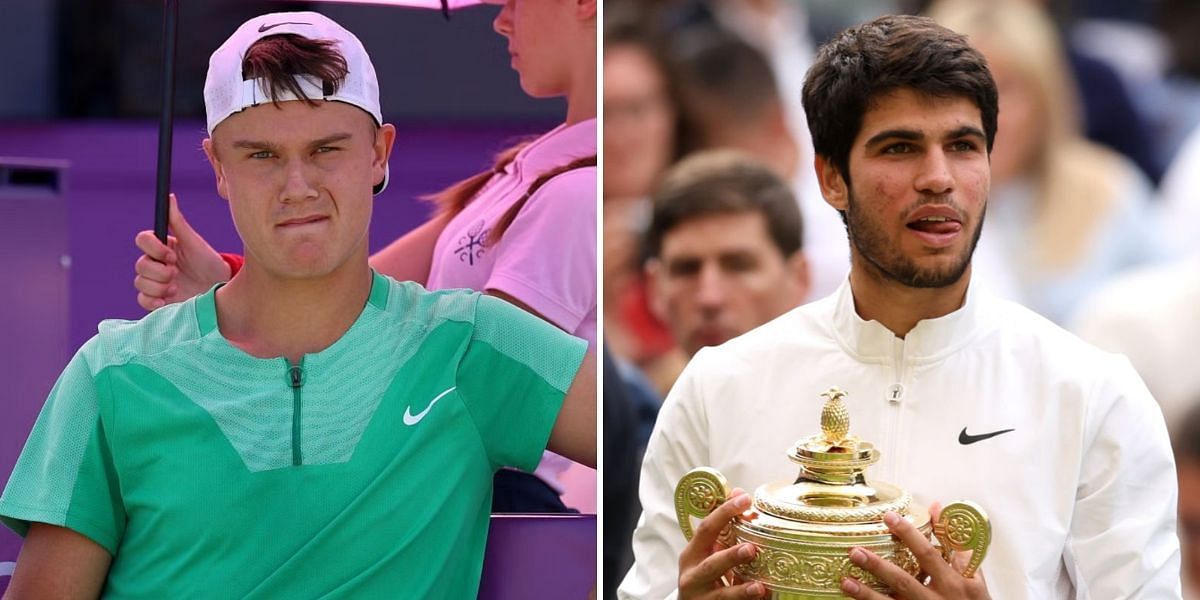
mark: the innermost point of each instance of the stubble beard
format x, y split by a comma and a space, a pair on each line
888, 263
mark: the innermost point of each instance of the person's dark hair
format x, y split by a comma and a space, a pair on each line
719, 77
1178, 20
1185, 438
510, 215
724, 182
890, 53
628, 25
279, 58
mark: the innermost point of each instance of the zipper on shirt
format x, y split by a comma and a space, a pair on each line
895, 400
296, 380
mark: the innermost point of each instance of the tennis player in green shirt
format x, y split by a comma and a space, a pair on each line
311, 428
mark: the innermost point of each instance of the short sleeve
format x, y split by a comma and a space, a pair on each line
65, 474
513, 377
547, 257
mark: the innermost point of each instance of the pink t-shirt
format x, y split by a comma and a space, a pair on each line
547, 256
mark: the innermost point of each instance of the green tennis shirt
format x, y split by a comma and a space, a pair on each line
363, 472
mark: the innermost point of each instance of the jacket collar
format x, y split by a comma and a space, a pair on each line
556, 148
930, 340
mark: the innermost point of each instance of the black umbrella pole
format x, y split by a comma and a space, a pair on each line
162, 203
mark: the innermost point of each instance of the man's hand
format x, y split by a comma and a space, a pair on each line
703, 562
178, 270
945, 581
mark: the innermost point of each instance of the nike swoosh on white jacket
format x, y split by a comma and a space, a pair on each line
1081, 494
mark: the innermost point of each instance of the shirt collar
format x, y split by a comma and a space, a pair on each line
206, 303
561, 145
929, 340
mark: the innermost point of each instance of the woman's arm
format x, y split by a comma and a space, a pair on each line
409, 257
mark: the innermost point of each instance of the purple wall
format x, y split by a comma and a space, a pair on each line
539, 556
33, 304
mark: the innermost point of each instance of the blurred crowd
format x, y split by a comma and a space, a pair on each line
714, 223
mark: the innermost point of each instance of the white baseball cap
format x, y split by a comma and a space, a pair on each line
226, 93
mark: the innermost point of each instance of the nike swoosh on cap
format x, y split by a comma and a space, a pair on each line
265, 27
965, 438
411, 419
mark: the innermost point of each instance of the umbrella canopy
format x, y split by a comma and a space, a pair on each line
434, 4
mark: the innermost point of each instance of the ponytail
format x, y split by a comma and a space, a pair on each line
511, 214
454, 198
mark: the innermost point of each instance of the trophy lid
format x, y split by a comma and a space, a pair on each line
832, 485
834, 456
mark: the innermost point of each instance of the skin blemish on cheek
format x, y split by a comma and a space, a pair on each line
882, 187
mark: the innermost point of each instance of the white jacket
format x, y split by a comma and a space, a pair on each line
1081, 494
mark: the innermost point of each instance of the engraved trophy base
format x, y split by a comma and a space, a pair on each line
812, 564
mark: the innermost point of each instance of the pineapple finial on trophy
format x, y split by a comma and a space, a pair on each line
835, 419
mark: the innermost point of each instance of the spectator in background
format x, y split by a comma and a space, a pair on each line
1179, 202
1065, 214
1151, 316
725, 249
1108, 52
640, 115
729, 98
621, 460
779, 30
1111, 115
1178, 110
725, 257
640, 131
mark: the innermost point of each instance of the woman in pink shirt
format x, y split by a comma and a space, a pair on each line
524, 230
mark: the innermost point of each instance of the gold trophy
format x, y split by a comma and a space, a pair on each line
804, 530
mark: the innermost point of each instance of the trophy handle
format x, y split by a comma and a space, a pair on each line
964, 526
697, 494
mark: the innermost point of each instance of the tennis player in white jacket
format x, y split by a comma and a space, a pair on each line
965, 395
